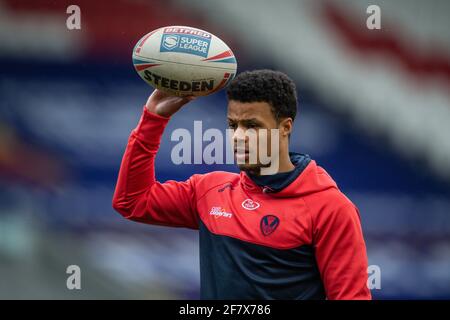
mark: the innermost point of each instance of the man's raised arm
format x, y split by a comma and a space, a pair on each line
138, 196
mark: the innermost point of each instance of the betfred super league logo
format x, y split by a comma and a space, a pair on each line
268, 224
170, 41
185, 40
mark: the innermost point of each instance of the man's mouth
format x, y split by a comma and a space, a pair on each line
241, 154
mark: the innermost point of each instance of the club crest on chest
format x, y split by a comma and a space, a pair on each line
269, 224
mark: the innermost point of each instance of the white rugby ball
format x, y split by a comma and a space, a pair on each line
184, 61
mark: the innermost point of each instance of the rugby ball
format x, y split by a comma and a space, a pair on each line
184, 61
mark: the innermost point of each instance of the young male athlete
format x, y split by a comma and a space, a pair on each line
288, 235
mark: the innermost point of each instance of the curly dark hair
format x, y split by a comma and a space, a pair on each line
273, 87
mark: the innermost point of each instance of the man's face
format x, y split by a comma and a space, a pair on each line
251, 115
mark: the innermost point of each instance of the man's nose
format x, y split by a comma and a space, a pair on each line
239, 134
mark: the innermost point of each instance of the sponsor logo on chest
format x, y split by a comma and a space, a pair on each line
218, 212
249, 204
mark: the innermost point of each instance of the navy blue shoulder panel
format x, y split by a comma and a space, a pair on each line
234, 269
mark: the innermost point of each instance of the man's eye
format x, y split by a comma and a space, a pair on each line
231, 125
252, 125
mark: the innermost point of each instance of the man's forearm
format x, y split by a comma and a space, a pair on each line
137, 170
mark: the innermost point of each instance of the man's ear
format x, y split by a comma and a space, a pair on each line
285, 127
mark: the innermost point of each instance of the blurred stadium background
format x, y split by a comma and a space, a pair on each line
374, 111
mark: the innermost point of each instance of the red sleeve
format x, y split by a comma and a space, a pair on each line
341, 254
138, 196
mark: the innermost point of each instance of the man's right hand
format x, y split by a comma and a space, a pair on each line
164, 104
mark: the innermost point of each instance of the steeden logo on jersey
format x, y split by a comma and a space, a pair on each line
218, 212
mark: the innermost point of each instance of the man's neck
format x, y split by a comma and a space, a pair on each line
286, 164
